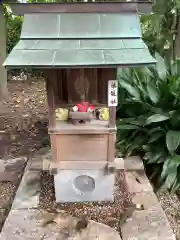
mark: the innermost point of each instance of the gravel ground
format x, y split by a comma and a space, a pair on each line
9, 182
7, 190
7, 193
171, 206
107, 213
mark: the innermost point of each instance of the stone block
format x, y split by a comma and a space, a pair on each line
12, 165
137, 182
133, 163
26, 224
84, 185
129, 164
148, 199
22, 224
27, 195
148, 224
15, 165
42, 161
11, 169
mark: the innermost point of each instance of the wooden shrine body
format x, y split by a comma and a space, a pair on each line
90, 144
87, 148
79, 47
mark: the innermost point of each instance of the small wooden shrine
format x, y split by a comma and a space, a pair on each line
80, 46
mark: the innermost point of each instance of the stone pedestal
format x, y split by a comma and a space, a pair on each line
84, 186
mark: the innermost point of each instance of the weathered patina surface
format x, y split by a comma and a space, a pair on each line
80, 40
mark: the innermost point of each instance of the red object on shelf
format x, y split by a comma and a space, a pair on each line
90, 108
85, 107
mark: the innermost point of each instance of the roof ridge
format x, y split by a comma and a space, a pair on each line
82, 7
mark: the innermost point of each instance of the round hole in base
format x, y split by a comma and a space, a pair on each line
84, 183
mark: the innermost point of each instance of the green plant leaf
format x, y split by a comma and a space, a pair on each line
161, 159
161, 66
136, 143
172, 140
165, 168
130, 89
155, 136
127, 127
146, 148
171, 178
170, 165
140, 121
175, 186
153, 92
153, 158
156, 129
150, 108
156, 118
172, 171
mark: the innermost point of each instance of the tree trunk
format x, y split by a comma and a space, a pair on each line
177, 41
3, 72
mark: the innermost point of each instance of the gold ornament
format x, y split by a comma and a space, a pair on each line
62, 114
104, 114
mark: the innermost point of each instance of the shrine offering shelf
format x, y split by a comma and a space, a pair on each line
70, 105
94, 127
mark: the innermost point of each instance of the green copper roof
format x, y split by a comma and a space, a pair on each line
84, 25
79, 39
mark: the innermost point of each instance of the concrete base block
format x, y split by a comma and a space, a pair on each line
84, 186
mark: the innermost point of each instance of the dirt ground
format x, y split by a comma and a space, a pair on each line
24, 119
23, 131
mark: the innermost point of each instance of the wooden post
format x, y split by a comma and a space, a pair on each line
50, 88
112, 103
111, 147
112, 117
3, 72
50, 75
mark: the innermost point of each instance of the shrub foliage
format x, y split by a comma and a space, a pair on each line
149, 120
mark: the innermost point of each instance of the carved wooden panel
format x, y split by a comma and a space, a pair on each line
61, 88
75, 85
89, 84
90, 147
91, 75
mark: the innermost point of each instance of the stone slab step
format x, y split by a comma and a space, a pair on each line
11, 169
12, 165
137, 182
150, 223
27, 195
26, 224
146, 225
